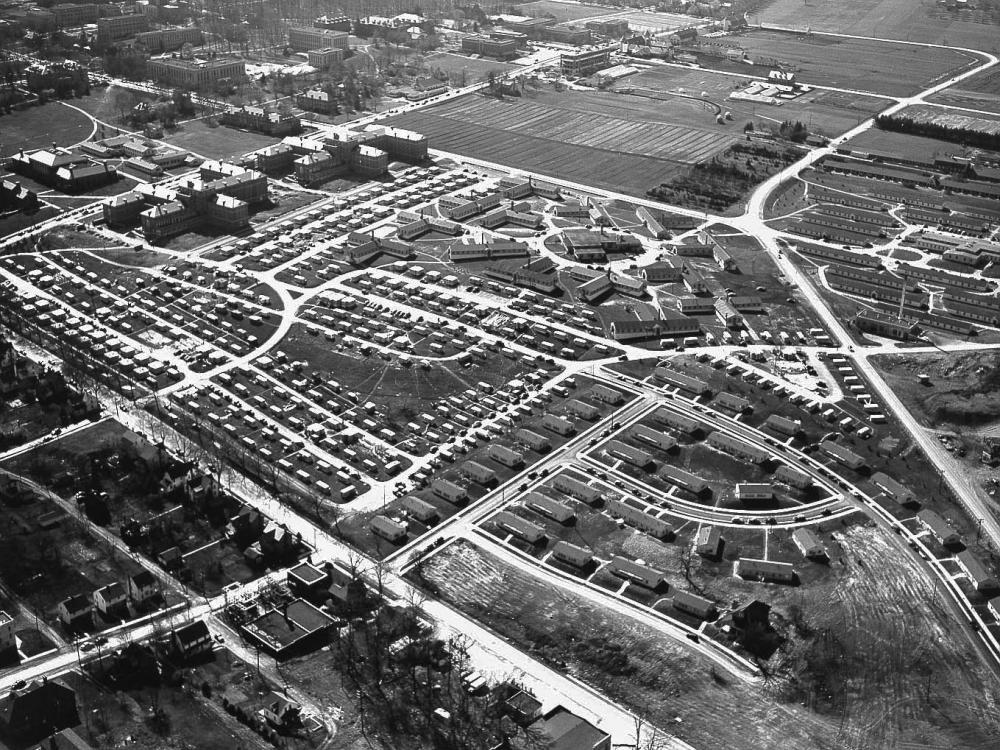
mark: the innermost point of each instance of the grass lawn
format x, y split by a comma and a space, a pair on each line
872, 66
475, 68
39, 127
217, 143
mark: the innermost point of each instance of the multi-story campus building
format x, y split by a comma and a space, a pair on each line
195, 74
316, 100
367, 153
164, 40
219, 197
62, 169
120, 27
261, 120
325, 57
302, 39
479, 44
585, 61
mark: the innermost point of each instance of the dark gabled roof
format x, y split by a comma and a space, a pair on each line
77, 603
192, 632
143, 578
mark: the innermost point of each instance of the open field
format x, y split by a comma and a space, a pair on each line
564, 11
826, 112
902, 144
475, 68
964, 389
40, 127
875, 67
216, 143
618, 142
981, 91
863, 685
911, 20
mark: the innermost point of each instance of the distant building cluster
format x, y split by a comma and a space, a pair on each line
151, 157
546, 29
58, 76
219, 197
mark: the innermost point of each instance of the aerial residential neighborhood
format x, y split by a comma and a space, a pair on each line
556, 374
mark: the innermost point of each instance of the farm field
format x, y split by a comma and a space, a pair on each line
875, 67
909, 20
828, 112
612, 141
861, 684
39, 127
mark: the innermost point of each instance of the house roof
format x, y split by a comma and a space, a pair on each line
192, 632
40, 705
143, 578
67, 739
76, 603
567, 731
112, 591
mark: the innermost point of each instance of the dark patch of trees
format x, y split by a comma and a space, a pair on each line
914, 126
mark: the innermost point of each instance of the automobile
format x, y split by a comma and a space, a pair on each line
101, 640
18, 685
88, 646
737, 519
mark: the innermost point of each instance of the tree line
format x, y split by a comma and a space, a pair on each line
915, 126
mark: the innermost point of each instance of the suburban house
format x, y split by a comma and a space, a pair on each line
281, 712
192, 640
111, 600
346, 590
76, 612
565, 730
142, 587
8, 640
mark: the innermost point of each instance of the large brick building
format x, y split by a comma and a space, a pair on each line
261, 120
219, 197
120, 27
195, 74
302, 39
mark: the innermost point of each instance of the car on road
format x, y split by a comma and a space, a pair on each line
18, 685
88, 646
